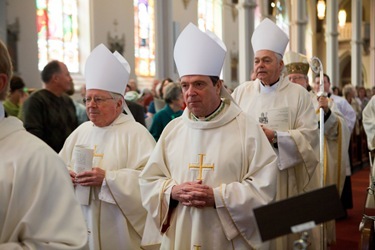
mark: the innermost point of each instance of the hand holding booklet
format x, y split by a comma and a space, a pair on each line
82, 158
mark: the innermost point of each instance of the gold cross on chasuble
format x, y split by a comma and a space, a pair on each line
200, 166
100, 156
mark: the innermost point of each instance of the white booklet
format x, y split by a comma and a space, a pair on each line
82, 158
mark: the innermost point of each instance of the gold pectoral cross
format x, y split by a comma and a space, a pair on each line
196, 247
201, 166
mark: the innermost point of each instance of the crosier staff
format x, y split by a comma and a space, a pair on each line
317, 67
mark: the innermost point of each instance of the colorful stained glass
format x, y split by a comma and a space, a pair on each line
144, 38
57, 26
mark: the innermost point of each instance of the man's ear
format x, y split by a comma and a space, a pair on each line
3, 82
120, 103
219, 84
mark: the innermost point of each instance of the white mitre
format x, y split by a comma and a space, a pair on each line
268, 36
199, 53
106, 71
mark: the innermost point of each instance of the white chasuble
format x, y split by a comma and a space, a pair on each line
38, 209
288, 110
115, 216
231, 154
368, 116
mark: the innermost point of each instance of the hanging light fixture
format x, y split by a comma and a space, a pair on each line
342, 18
321, 8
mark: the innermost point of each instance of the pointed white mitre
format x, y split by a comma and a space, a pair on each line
268, 36
106, 71
199, 53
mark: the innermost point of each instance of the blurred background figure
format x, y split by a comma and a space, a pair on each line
173, 109
17, 95
49, 113
362, 96
158, 102
132, 86
80, 108
336, 91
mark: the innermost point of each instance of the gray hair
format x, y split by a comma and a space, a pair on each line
348, 88
172, 92
279, 58
117, 96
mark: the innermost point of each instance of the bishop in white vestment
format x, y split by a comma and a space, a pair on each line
286, 114
209, 169
121, 147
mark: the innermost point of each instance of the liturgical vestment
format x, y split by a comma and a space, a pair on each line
115, 216
287, 108
233, 156
368, 116
38, 209
336, 145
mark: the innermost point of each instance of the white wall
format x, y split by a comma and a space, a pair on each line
104, 13
27, 43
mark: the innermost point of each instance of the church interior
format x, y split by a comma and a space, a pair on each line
340, 33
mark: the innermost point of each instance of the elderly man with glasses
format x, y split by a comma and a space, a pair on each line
117, 148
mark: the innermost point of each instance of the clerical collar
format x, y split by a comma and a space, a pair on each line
211, 116
2, 111
269, 88
270, 85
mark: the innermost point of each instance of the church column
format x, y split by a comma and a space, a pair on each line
3, 21
163, 39
246, 29
298, 27
332, 62
356, 43
264, 10
372, 44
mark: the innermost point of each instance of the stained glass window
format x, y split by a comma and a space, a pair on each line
281, 14
144, 38
57, 26
210, 16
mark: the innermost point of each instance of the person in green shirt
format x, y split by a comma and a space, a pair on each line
17, 95
173, 109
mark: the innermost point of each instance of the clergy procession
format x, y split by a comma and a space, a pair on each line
107, 184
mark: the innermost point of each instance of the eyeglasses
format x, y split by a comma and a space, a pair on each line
296, 78
97, 100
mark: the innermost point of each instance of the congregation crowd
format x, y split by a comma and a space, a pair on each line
179, 166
